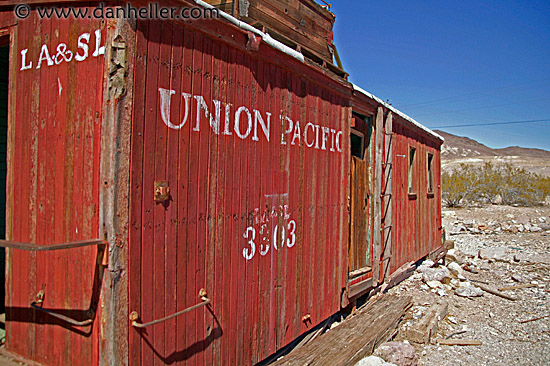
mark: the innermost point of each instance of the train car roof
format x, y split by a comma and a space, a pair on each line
398, 112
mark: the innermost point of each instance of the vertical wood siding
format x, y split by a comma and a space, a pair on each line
53, 165
226, 190
416, 218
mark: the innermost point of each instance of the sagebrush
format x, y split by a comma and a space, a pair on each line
489, 183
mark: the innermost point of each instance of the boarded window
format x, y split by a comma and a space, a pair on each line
357, 144
430, 173
412, 153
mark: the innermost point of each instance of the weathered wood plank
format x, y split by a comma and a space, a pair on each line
354, 338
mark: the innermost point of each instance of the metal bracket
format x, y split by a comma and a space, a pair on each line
134, 316
162, 191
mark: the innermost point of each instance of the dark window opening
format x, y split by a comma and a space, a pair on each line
412, 153
430, 173
357, 143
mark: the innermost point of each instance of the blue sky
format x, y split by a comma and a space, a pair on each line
454, 62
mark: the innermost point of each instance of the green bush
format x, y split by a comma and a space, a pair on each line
491, 183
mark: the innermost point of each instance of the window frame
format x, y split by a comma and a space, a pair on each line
411, 171
430, 184
362, 136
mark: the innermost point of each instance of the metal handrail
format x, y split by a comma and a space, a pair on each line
40, 296
38, 306
37, 247
134, 316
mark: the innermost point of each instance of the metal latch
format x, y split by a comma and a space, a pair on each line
162, 191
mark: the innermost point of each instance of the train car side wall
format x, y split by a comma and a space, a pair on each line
56, 89
416, 212
253, 146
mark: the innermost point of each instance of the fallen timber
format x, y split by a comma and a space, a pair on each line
354, 338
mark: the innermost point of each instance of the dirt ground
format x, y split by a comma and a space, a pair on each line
515, 243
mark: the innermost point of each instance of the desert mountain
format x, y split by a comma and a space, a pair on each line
459, 149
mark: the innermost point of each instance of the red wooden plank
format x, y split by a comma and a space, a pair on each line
222, 75
136, 187
52, 291
64, 156
296, 206
256, 166
40, 341
206, 198
229, 250
34, 198
148, 293
160, 210
193, 202
98, 84
172, 160
184, 271
18, 260
235, 236
79, 195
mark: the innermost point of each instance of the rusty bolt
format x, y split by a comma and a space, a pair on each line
202, 294
134, 316
40, 297
306, 318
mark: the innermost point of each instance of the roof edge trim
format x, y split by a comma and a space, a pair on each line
398, 112
247, 27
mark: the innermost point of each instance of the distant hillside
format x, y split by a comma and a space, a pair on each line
459, 149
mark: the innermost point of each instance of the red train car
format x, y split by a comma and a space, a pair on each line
195, 191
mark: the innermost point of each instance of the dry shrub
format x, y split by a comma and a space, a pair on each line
491, 183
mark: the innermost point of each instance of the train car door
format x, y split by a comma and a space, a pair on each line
359, 251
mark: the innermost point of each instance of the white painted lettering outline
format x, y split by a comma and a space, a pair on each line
244, 122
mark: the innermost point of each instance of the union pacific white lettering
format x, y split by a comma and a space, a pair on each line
245, 122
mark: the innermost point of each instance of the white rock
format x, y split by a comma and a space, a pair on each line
434, 284
454, 268
440, 274
455, 283
471, 291
520, 228
373, 361
427, 263
495, 254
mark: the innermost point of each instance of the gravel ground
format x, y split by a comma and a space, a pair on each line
495, 321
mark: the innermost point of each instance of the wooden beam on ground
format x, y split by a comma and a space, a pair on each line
354, 338
517, 287
459, 342
423, 331
402, 273
495, 292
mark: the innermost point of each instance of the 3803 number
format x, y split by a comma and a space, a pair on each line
267, 239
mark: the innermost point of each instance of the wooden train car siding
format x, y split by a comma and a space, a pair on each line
210, 167
412, 222
53, 183
249, 150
